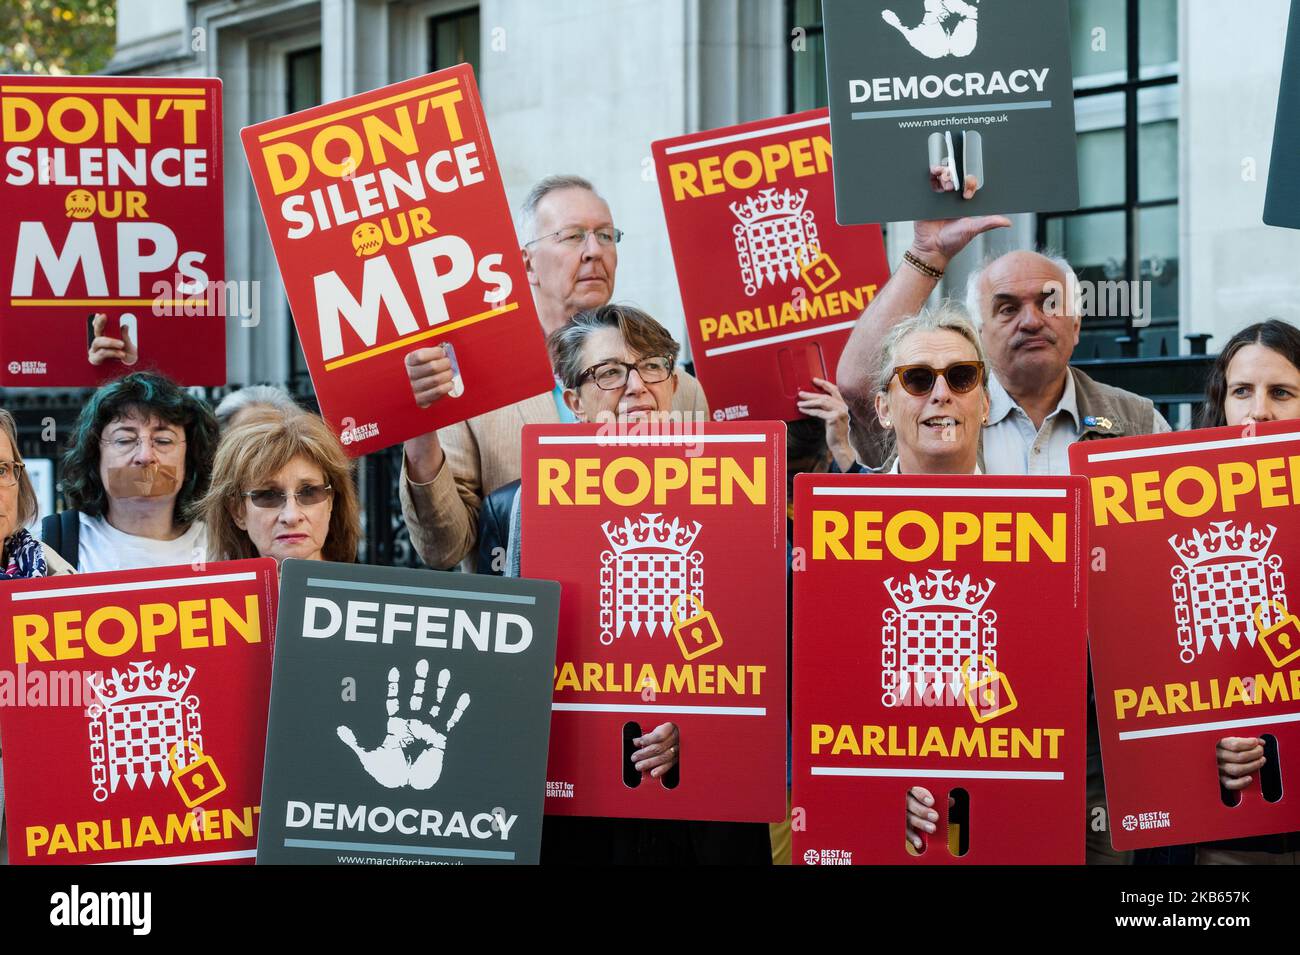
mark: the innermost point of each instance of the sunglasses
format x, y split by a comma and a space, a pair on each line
276, 498
962, 377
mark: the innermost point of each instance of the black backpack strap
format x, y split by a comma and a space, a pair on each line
62, 532
52, 532
71, 521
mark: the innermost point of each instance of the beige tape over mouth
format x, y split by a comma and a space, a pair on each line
151, 480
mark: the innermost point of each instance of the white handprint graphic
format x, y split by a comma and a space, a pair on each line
932, 36
411, 754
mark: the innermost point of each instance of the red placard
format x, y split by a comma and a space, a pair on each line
939, 637
105, 679
1193, 533
392, 231
670, 546
112, 194
771, 284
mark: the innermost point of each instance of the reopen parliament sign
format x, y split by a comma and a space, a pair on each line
112, 191
392, 232
771, 284
939, 642
669, 544
1194, 633
134, 713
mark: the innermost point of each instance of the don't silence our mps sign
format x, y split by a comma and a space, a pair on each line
392, 231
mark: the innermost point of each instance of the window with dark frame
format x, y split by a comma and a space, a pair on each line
453, 39
806, 65
1126, 95
303, 86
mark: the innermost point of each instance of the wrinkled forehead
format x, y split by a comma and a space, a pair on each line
606, 343
573, 206
1021, 275
936, 348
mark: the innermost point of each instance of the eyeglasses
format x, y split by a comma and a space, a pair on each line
274, 497
962, 377
576, 238
10, 472
123, 445
612, 375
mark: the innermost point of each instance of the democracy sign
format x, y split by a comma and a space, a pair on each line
392, 231
112, 194
133, 713
669, 541
770, 283
409, 717
939, 642
1282, 201
982, 91
1193, 635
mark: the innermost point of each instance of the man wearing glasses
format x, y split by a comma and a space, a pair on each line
1025, 306
570, 251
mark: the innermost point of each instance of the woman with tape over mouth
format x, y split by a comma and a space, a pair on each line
932, 399
616, 363
1256, 378
140, 455
282, 487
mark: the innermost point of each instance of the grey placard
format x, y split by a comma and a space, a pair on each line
900, 70
1282, 202
445, 772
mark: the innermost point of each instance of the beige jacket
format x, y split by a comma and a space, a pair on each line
55, 564
482, 454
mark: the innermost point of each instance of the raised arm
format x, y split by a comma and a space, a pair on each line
936, 243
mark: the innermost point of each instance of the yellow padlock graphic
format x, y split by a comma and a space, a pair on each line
200, 780
1282, 640
820, 273
990, 696
696, 635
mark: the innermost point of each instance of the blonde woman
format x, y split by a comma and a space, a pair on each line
282, 487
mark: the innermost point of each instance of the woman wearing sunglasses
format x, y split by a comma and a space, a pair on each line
932, 397
282, 487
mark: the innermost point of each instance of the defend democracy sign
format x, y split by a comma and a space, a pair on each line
669, 542
939, 642
1282, 202
1193, 632
134, 713
982, 88
409, 717
112, 190
771, 285
392, 231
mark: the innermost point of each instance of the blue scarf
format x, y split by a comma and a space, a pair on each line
25, 557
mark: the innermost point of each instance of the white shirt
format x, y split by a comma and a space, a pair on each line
1012, 445
102, 547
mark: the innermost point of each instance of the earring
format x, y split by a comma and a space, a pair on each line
886, 424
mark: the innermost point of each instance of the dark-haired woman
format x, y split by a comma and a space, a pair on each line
1256, 378
140, 456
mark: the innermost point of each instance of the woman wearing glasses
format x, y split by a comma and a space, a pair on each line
616, 362
282, 487
140, 455
24, 556
932, 398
